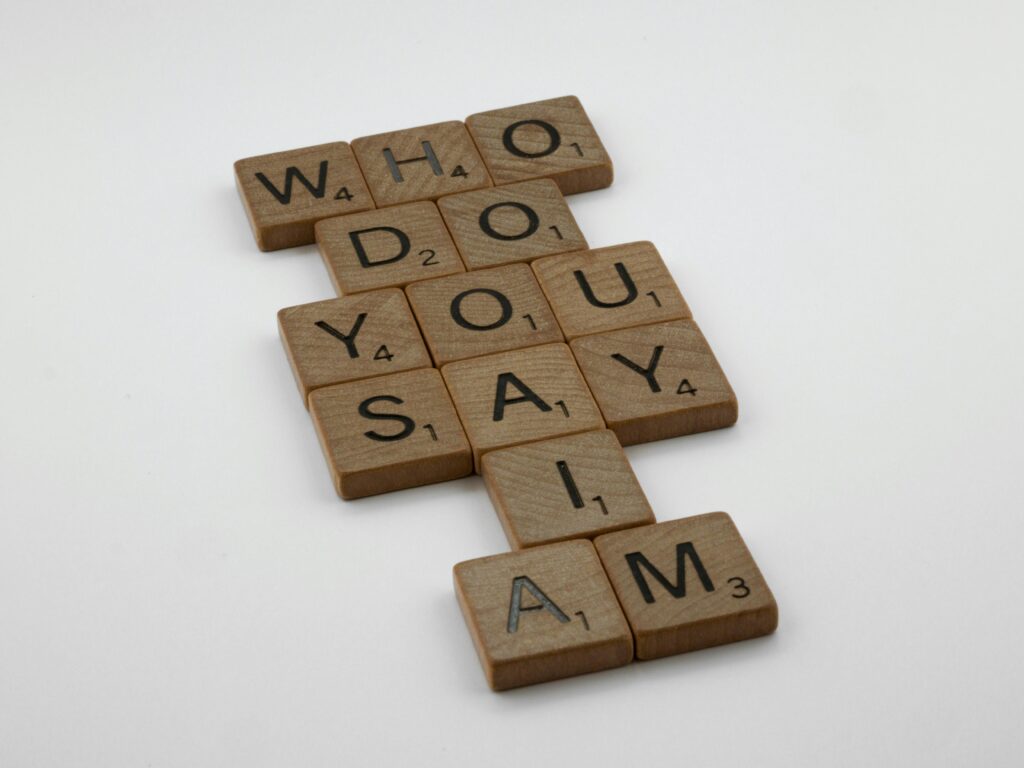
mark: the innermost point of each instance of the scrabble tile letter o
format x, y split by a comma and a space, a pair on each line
551, 139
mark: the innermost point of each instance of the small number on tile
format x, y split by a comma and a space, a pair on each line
742, 585
685, 388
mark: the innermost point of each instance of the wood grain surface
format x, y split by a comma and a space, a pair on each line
545, 139
286, 193
542, 614
571, 487
421, 163
388, 247
389, 433
514, 223
610, 288
481, 312
687, 584
656, 381
356, 337
521, 396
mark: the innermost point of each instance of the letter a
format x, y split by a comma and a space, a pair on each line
516, 607
500, 399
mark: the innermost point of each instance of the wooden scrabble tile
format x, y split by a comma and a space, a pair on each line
389, 247
518, 397
687, 584
546, 139
656, 381
339, 340
542, 614
388, 433
518, 222
476, 313
566, 488
421, 163
610, 288
286, 193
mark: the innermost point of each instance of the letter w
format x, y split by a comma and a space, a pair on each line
294, 173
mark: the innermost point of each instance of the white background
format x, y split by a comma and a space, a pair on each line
837, 188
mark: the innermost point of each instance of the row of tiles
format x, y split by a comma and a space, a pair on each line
286, 193
424, 426
578, 606
470, 314
393, 247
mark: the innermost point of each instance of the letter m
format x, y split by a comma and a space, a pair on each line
636, 561
292, 173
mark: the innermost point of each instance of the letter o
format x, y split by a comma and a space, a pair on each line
503, 302
532, 221
555, 138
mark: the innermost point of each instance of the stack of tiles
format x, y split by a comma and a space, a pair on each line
477, 331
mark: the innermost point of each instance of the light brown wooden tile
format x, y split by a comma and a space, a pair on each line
389, 247
481, 312
286, 193
518, 222
546, 139
656, 381
610, 288
571, 487
687, 584
542, 614
421, 163
389, 433
357, 337
518, 397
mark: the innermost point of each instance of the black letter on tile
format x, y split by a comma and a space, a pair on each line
503, 302
348, 339
365, 260
500, 399
294, 173
624, 276
428, 155
516, 607
408, 425
636, 560
648, 372
570, 484
554, 138
532, 221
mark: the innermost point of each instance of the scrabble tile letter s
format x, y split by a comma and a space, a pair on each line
389, 433
286, 193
